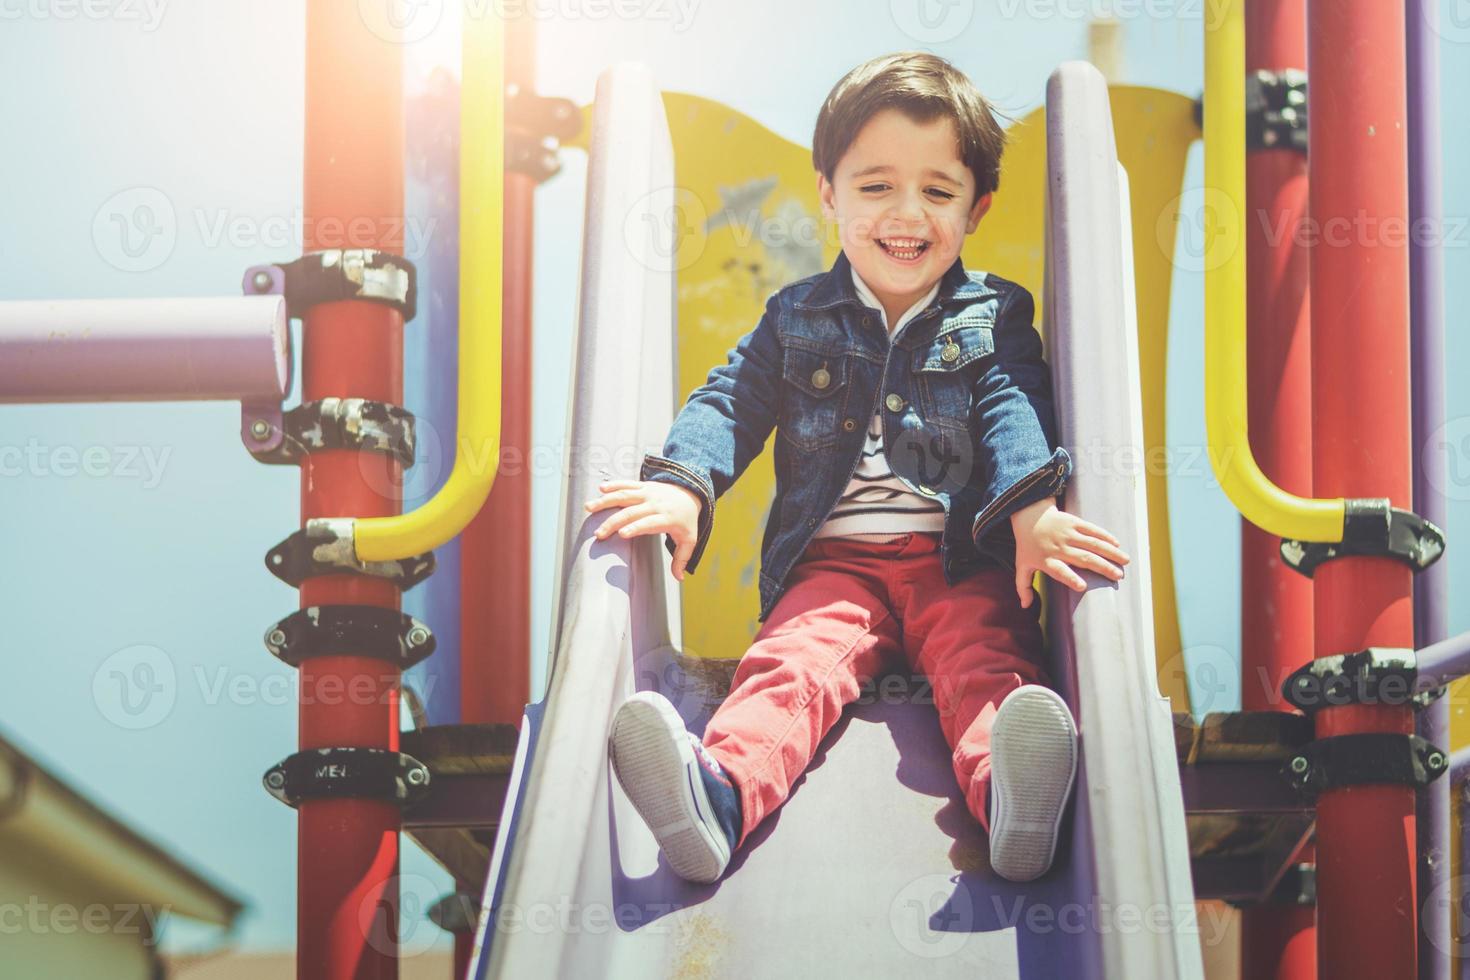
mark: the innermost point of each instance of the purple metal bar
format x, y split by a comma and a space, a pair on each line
97, 350
1426, 325
1440, 663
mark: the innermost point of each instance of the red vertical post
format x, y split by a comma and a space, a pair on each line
495, 563
1277, 942
1367, 906
347, 852
464, 949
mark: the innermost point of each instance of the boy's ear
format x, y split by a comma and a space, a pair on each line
827, 197
978, 211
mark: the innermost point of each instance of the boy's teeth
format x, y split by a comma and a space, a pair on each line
903, 248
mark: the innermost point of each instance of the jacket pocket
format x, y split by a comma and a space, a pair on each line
940, 369
813, 397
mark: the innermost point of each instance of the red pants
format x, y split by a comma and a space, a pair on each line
849, 607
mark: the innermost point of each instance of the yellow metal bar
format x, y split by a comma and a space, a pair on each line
481, 199
1258, 499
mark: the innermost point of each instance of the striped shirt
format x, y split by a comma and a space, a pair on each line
877, 505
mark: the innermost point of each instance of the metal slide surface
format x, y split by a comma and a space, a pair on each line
873, 867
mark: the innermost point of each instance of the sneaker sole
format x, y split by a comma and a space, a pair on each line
656, 768
1033, 765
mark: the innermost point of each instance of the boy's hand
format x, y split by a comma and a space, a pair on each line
1051, 541
651, 507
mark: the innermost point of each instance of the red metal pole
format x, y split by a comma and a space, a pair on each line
495, 555
1367, 905
464, 946
347, 854
1277, 942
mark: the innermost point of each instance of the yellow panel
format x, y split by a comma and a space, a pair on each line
1154, 130
750, 223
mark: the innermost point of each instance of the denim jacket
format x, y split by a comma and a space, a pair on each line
966, 406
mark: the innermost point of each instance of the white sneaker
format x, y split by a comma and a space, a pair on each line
655, 760
1033, 763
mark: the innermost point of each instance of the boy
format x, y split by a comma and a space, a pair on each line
916, 470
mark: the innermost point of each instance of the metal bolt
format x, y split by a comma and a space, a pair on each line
261, 281
1436, 759
1299, 764
417, 777
260, 428
275, 780
418, 636
276, 638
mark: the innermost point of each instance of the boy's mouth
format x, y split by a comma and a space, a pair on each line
903, 249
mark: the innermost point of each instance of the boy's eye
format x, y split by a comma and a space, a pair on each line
938, 194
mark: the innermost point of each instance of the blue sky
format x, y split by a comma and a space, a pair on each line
161, 555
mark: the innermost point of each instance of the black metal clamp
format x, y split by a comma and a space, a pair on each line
456, 912
1375, 675
535, 125
357, 773
283, 439
325, 547
1365, 758
274, 436
1298, 886
1371, 527
347, 630
337, 274
1276, 110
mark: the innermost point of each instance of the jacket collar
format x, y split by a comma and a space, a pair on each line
835, 286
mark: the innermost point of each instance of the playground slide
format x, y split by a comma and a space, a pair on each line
873, 867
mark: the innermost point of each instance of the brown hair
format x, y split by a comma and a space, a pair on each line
925, 87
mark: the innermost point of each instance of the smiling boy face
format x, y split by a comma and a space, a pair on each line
903, 202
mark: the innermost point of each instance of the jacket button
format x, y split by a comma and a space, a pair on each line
811, 522
894, 401
951, 352
820, 378
849, 424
